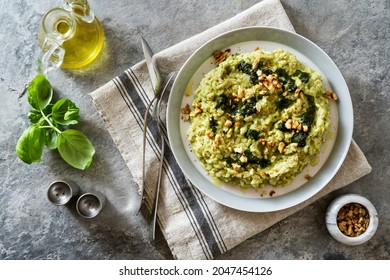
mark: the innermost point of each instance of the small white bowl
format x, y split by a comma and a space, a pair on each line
331, 219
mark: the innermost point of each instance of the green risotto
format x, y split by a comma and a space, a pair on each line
258, 118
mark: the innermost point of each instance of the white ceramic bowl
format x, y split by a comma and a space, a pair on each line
245, 40
331, 219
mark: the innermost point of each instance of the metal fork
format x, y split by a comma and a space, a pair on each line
156, 114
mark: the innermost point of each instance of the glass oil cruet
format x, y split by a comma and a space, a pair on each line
69, 36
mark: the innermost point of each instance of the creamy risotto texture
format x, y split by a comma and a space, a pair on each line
258, 118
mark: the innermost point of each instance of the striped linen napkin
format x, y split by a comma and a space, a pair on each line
195, 226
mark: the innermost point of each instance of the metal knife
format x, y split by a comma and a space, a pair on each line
155, 79
154, 73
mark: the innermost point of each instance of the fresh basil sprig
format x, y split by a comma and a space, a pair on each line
49, 122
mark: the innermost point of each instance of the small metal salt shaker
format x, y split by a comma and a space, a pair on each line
61, 192
89, 204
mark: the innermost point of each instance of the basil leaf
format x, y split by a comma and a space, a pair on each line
40, 92
65, 112
75, 148
30, 145
34, 115
51, 139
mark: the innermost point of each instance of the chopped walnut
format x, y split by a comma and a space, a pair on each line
270, 81
243, 159
198, 108
297, 92
263, 92
268, 84
239, 150
288, 124
240, 92
281, 147
220, 56
239, 95
210, 134
186, 110
278, 86
256, 62
185, 117
218, 139
258, 106
236, 166
330, 94
271, 78
308, 177
262, 76
270, 144
293, 125
353, 219
228, 123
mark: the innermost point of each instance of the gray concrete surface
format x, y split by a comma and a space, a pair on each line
355, 34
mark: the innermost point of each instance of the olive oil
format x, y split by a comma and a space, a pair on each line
84, 46
69, 33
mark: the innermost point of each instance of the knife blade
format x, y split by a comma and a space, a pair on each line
150, 59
